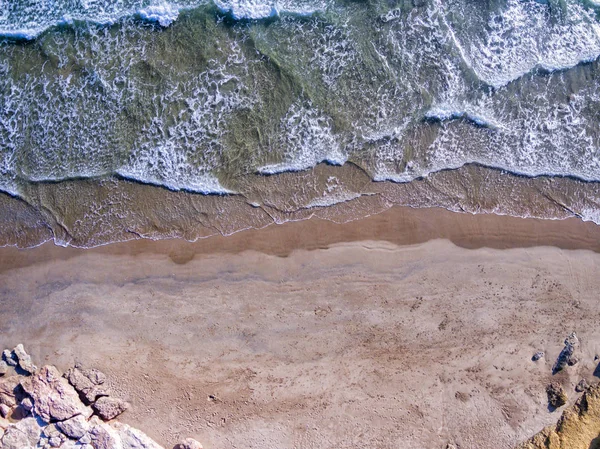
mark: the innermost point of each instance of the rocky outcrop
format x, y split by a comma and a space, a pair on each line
577, 428
567, 355
53, 398
48, 410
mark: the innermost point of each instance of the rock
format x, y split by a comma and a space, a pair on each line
27, 404
4, 423
86, 439
8, 386
134, 439
3, 367
75, 427
573, 360
108, 408
4, 410
190, 443
54, 399
557, 397
571, 342
15, 439
7, 400
87, 383
9, 357
70, 444
97, 377
103, 436
55, 441
24, 359
582, 385
24, 434
52, 431
538, 355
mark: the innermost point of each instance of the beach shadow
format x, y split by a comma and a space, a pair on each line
597, 371
595, 444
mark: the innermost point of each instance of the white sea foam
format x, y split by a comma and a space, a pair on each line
590, 214
307, 139
175, 173
523, 36
165, 14
29, 20
330, 199
248, 9
451, 112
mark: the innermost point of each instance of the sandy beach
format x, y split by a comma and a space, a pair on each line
413, 328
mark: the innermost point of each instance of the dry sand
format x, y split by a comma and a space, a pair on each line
409, 329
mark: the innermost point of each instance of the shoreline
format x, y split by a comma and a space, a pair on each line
398, 225
93, 213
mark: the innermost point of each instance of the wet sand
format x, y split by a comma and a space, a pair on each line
413, 328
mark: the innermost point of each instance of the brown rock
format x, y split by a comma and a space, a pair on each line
97, 377
557, 397
4, 410
4, 423
54, 399
108, 408
87, 383
8, 385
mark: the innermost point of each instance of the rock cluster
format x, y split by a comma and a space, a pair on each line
557, 396
17, 358
41, 408
578, 426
